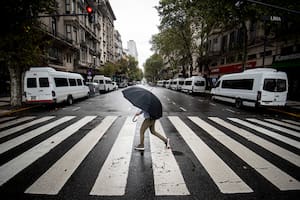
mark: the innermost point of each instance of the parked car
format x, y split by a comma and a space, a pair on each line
94, 87
115, 85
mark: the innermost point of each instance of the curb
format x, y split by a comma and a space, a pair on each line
16, 110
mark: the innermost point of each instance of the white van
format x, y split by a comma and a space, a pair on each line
253, 87
46, 85
105, 83
177, 83
194, 84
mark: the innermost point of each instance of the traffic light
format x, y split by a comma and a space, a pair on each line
90, 12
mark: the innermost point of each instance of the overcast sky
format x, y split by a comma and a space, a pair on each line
136, 20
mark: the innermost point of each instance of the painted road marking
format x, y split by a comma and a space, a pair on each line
31, 134
182, 109
279, 151
54, 179
76, 108
223, 176
6, 119
168, 179
13, 167
16, 121
282, 129
284, 124
277, 177
272, 134
292, 122
112, 178
23, 126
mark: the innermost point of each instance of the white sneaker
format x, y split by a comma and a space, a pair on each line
168, 143
140, 147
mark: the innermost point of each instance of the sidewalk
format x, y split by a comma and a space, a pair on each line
292, 108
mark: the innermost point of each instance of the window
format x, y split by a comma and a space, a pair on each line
72, 82
275, 85
68, 6
79, 82
31, 83
61, 82
199, 83
100, 81
188, 82
68, 32
181, 82
44, 82
241, 84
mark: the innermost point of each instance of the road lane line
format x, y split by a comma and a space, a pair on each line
55, 178
168, 179
274, 175
279, 151
282, 129
23, 126
222, 175
76, 108
16, 121
13, 167
112, 178
31, 134
272, 134
182, 109
284, 124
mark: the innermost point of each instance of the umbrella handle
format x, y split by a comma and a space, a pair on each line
134, 119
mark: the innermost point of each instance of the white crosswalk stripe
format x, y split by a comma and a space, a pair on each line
168, 178
6, 119
269, 133
281, 152
291, 122
23, 126
13, 167
55, 178
31, 134
284, 124
276, 176
112, 179
223, 176
282, 129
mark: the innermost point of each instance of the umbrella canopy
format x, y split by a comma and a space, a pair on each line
145, 100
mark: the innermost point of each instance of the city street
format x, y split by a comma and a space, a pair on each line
86, 151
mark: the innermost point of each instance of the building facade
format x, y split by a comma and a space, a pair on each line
278, 48
132, 50
79, 45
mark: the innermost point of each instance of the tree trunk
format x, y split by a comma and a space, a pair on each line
15, 85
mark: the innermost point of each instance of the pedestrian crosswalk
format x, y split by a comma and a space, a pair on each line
278, 137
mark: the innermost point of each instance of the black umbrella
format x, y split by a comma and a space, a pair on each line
145, 100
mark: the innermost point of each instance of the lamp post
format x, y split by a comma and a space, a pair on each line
94, 64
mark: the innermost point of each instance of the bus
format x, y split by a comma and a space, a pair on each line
253, 87
46, 85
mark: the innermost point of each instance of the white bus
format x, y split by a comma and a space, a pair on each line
253, 87
194, 84
105, 83
46, 85
177, 83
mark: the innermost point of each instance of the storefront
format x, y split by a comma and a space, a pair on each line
291, 65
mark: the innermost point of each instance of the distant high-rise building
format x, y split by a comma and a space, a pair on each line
132, 51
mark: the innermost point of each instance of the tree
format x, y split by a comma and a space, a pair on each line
176, 22
22, 42
153, 67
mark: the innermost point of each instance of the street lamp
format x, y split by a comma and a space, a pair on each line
94, 65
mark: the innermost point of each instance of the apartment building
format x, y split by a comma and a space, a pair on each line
78, 45
279, 49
